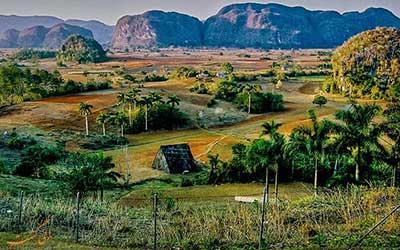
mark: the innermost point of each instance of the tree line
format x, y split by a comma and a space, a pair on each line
138, 113
353, 148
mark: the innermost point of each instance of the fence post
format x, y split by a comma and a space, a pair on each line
264, 201
155, 220
20, 208
78, 201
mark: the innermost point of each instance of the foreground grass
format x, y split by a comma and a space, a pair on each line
29, 241
13, 185
334, 220
217, 193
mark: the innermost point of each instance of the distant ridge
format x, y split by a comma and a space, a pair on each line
41, 37
249, 25
101, 32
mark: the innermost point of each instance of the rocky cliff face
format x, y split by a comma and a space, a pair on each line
41, 37
249, 25
278, 26
157, 29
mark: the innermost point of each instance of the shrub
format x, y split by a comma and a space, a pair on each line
260, 102
96, 142
200, 88
35, 158
320, 100
154, 78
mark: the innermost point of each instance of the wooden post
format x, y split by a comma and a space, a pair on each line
21, 203
78, 200
155, 220
263, 210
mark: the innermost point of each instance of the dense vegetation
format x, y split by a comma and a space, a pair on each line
247, 97
36, 157
349, 150
81, 50
368, 64
31, 54
22, 84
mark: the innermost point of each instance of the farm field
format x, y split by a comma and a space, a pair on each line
226, 125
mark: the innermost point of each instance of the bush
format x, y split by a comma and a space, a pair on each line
260, 102
35, 158
185, 72
27, 54
227, 90
160, 116
320, 100
200, 88
154, 78
96, 142
20, 141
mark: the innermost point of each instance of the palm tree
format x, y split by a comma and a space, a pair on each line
251, 89
120, 119
102, 119
314, 140
173, 101
146, 101
156, 97
277, 141
357, 132
133, 96
122, 100
85, 110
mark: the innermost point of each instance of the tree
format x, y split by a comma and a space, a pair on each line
250, 90
146, 101
320, 100
173, 101
358, 133
156, 97
313, 140
91, 172
122, 100
275, 151
102, 119
133, 96
85, 110
392, 129
120, 119
227, 68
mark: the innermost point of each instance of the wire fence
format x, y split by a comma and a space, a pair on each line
155, 223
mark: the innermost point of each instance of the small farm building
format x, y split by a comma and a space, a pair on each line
175, 159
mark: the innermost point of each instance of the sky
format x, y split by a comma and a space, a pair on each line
109, 11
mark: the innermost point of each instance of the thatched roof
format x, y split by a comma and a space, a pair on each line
175, 159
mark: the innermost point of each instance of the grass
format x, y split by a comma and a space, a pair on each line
333, 220
13, 185
17, 241
217, 193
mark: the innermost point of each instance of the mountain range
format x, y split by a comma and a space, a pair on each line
101, 32
248, 25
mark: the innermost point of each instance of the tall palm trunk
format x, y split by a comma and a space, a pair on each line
104, 129
335, 167
316, 176
394, 178
249, 108
264, 207
130, 114
276, 182
357, 173
145, 118
87, 124
122, 130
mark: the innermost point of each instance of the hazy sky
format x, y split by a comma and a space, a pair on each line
110, 10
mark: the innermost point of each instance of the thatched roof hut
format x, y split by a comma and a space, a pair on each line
175, 159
